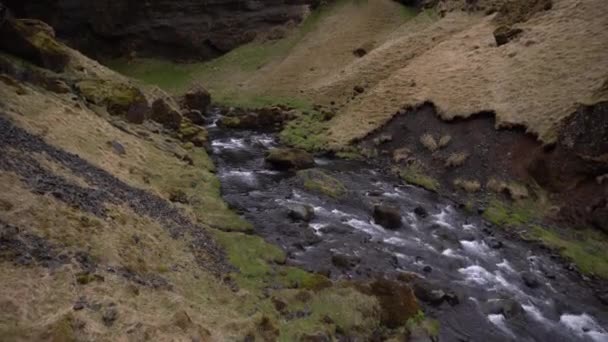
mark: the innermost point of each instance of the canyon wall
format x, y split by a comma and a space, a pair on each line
186, 29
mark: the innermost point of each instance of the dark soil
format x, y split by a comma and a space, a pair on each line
16, 145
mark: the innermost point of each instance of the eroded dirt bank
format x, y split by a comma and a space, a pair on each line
469, 157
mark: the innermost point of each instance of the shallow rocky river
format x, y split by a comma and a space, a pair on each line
479, 284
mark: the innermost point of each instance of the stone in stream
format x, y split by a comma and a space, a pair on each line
338, 230
344, 261
301, 212
509, 308
289, 159
493, 242
421, 212
530, 280
388, 217
432, 294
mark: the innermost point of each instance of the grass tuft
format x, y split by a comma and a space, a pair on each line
415, 175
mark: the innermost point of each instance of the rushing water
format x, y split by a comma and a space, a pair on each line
454, 245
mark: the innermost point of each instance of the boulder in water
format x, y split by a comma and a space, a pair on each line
344, 261
509, 308
421, 212
289, 159
388, 217
530, 280
301, 212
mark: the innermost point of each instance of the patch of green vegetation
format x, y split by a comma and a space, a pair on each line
116, 96
307, 132
350, 153
242, 100
339, 306
415, 175
176, 78
513, 214
588, 249
320, 182
252, 256
292, 277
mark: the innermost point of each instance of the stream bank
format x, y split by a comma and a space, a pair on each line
477, 282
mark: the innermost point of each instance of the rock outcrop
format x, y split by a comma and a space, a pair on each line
184, 29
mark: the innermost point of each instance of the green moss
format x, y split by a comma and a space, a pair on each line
116, 96
252, 256
308, 132
588, 249
415, 175
320, 182
292, 277
514, 214
338, 306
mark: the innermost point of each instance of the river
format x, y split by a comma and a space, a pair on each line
457, 253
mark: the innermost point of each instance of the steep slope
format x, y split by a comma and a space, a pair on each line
112, 226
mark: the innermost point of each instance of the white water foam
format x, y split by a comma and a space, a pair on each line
478, 275
230, 144
441, 218
476, 248
367, 227
468, 226
584, 325
535, 313
318, 226
263, 140
247, 176
450, 253
505, 265
500, 321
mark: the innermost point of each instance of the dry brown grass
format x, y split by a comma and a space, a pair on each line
429, 142
515, 190
470, 186
456, 159
444, 141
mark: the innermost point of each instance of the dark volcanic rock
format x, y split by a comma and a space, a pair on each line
387, 217
505, 34
530, 280
178, 29
197, 99
165, 115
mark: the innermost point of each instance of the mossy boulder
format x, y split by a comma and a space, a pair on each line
33, 43
119, 98
262, 118
189, 132
321, 182
397, 301
290, 159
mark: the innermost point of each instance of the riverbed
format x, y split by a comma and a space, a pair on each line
491, 288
